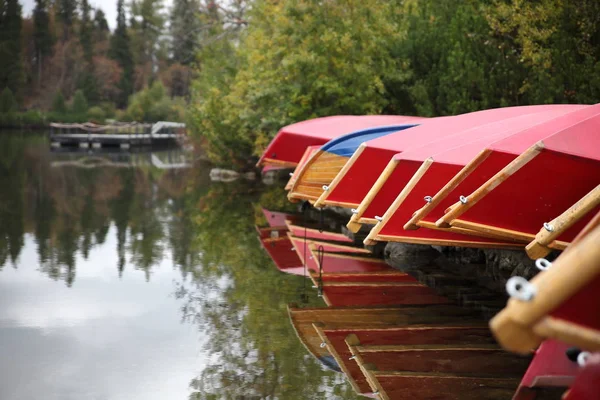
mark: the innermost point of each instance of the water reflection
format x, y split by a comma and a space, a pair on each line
100, 264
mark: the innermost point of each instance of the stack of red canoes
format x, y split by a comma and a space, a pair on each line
523, 178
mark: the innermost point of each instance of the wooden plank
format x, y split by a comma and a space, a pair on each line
539, 246
490, 185
354, 224
323, 199
371, 237
522, 324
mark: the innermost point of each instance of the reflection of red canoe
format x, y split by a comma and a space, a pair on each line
304, 320
419, 173
402, 336
538, 174
289, 144
279, 247
276, 218
369, 161
311, 233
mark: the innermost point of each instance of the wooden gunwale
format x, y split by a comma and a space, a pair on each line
352, 342
322, 200
522, 325
456, 211
398, 201
342, 363
356, 220
507, 234
540, 245
279, 163
291, 226
463, 231
438, 242
426, 347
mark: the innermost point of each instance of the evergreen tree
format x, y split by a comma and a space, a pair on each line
87, 80
185, 30
42, 36
66, 14
121, 52
149, 21
11, 69
100, 23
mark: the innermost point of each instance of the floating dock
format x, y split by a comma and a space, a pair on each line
124, 135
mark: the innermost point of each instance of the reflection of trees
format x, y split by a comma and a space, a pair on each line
240, 301
70, 210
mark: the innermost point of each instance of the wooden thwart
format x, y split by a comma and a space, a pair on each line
522, 325
540, 246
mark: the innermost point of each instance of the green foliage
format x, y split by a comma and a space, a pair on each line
79, 104
153, 104
58, 104
8, 103
298, 61
65, 13
96, 114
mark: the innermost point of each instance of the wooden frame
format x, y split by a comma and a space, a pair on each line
357, 220
540, 246
454, 212
299, 188
307, 153
414, 222
522, 325
322, 200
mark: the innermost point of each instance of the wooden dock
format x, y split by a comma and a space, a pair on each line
124, 135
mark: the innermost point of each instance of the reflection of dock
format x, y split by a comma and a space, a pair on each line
168, 159
118, 135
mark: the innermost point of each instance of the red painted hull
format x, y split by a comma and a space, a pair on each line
301, 232
550, 368
565, 170
291, 141
359, 179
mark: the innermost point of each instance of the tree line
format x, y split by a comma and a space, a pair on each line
299, 59
64, 58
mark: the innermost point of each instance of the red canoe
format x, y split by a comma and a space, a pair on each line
415, 175
289, 144
371, 158
538, 174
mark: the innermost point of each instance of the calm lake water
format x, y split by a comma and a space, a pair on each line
122, 278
